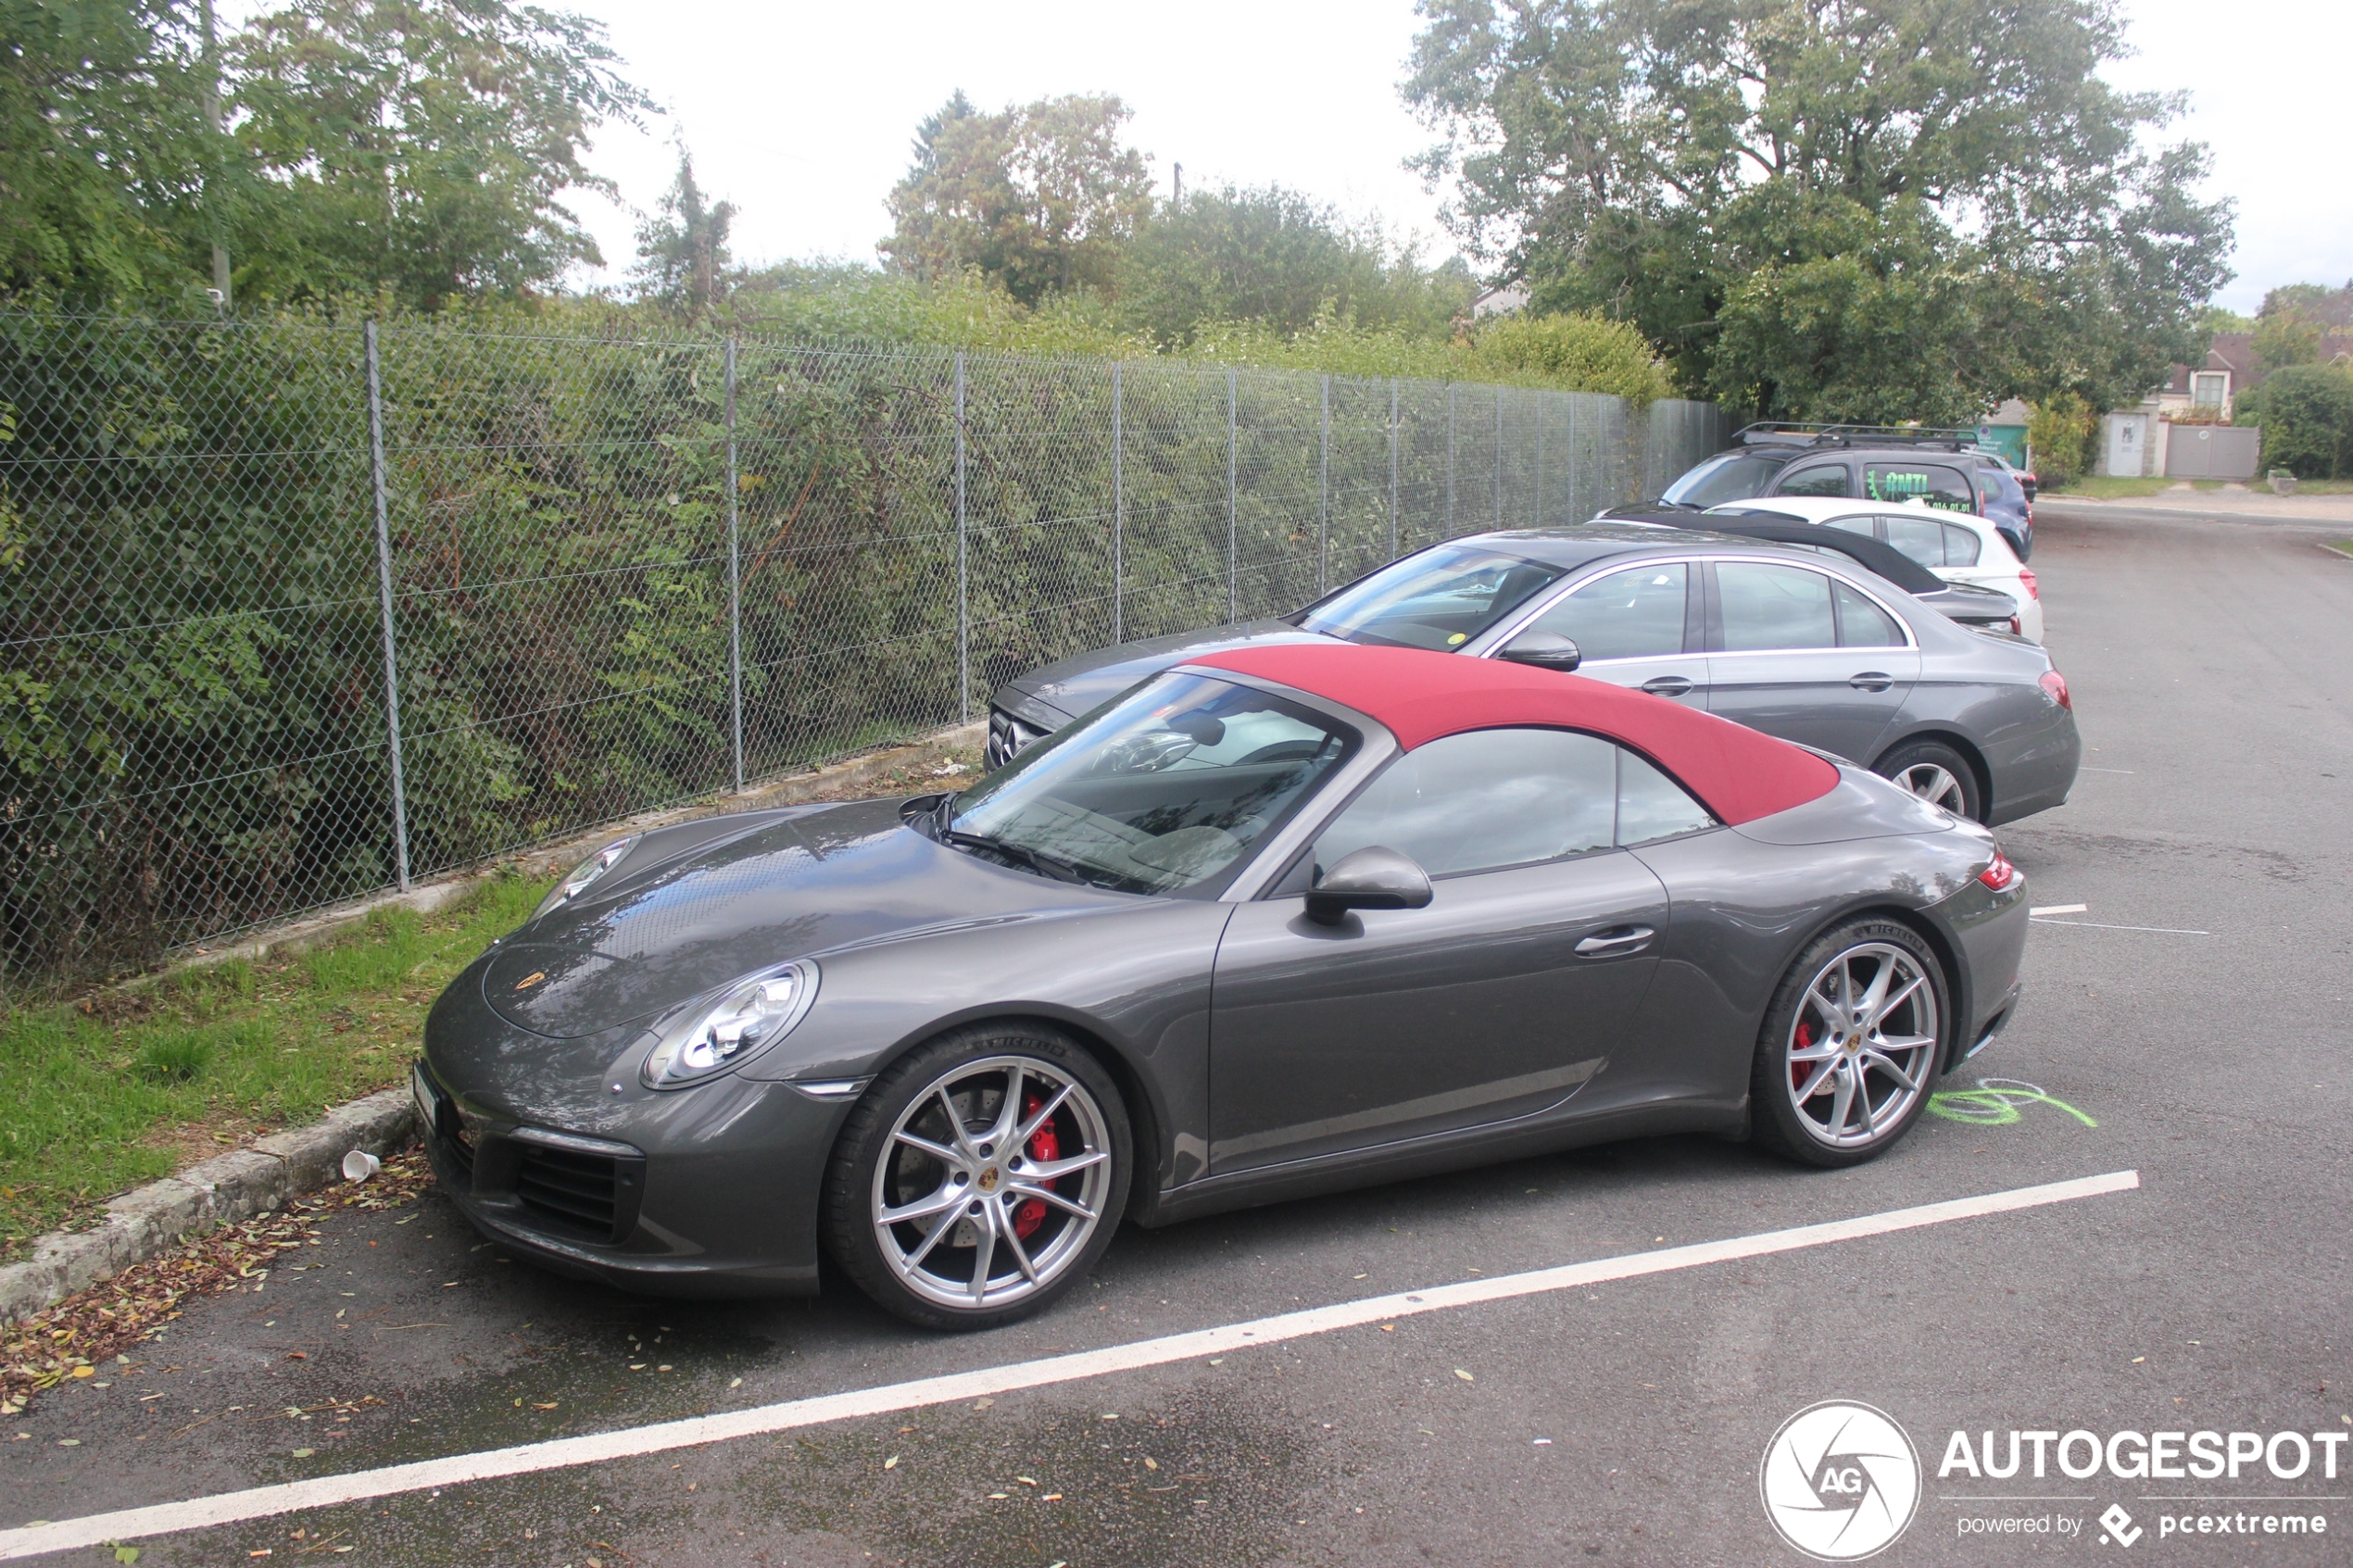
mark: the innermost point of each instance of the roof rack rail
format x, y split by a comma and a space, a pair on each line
1791, 432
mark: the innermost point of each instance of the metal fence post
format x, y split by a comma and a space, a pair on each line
1118, 508
1544, 404
1573, 514
1499, 457
1392, 468
384, 595
1324, 491
1233, 514
963, 567
734, 580
1449, 459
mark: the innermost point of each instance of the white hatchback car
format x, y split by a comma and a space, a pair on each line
1957, 546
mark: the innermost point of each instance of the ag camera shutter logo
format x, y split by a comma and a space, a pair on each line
1839, 1481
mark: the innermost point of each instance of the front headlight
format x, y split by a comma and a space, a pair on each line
748, 1018
586, 874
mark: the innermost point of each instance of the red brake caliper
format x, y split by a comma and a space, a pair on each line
1797, 1068
1043, 1144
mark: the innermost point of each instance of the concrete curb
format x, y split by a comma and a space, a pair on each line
222, 1190
254, 1180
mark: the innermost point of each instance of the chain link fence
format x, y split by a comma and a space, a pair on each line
296, 611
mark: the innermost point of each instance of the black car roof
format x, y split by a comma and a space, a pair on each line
1691, 532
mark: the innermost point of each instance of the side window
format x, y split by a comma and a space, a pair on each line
1484, 799
1774, 606
1940, 486
1651, 806
1862, 624
1960, 545
1854, 525
1824, 479
1636, 614
1918, 535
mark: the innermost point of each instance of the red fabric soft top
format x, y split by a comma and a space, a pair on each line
1737, 772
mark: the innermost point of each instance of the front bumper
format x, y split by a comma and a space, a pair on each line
717, 1196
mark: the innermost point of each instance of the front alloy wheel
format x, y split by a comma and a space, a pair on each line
988, 1172
1851, 1046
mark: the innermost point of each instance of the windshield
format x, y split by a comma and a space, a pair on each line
1727, 476
1163, 791
1438, 598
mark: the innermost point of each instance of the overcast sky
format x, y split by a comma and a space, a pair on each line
800, 113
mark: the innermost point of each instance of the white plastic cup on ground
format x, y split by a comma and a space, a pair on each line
358, 1165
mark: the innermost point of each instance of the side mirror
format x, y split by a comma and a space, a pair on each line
1372, 878
1545, 650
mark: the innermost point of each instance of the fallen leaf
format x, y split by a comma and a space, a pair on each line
982, 1404
304, 1453
892, 1463
1389, 1328
69, 1442
1150, 1463
1463, 1375
548, 1406
297, 1356
1051, 1497
736, 1384
86, 1372
2136, 1361
1026, 1480
126, 1554
665, 1368
997, 1497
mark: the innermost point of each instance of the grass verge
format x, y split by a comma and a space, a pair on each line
128, 1085
2342, 546
2109, 487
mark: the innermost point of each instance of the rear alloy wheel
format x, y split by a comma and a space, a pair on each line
979, 1177
1937, 774
1851, 1046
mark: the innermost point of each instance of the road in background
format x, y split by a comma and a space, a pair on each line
1623, 1423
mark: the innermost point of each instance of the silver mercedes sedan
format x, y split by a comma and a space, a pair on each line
1800, 643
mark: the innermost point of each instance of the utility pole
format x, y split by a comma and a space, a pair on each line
1178, 199
212, 161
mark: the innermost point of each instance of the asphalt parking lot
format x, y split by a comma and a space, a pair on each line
2188, 1024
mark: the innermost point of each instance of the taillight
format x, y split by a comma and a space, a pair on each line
2015, 630
2056, 684
2026, 575
2001, 877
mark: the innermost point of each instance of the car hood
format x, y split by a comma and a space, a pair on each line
803, 886
1055, 693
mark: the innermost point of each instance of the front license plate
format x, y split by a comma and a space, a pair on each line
428, 1102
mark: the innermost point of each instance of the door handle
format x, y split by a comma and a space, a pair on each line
1666, 685
1616, 942
1871, 680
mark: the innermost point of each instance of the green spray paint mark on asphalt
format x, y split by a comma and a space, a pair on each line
1995, 1103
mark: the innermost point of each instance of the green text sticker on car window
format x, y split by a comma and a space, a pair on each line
1900, 485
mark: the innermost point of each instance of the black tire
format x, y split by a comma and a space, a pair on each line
1936, 771
962, 1070
1786, 1112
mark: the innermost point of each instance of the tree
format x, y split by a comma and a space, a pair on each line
418, 147
1277, 257
683, 252
1826, 209
1040, 198
101, 137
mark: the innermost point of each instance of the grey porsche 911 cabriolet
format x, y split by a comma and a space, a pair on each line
1281, 920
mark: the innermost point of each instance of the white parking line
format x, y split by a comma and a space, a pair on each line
2095, 925
331, 1491
2059, 909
